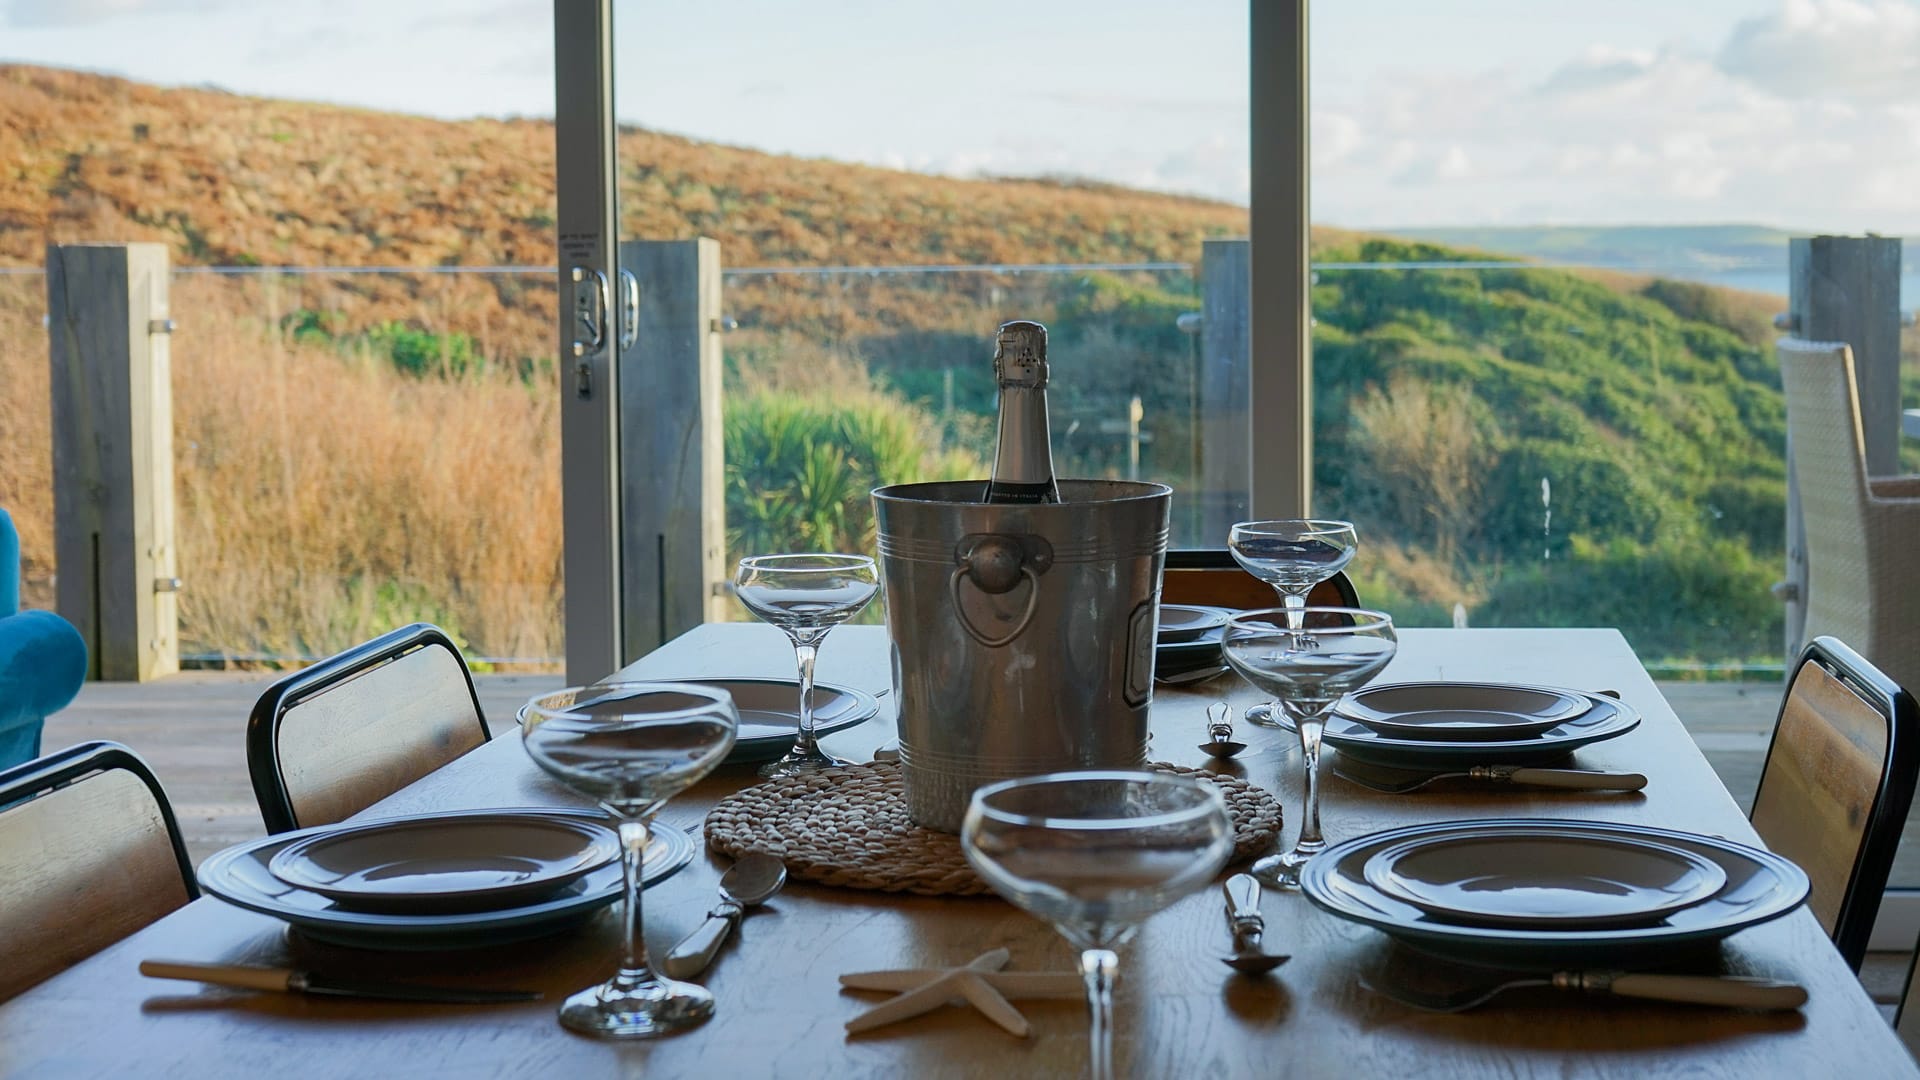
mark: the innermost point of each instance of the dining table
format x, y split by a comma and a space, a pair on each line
1178, 1010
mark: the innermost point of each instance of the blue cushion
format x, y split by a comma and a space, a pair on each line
9, 566
43, 661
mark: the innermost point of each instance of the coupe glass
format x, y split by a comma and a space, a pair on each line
1293, 556
1094, 853
807, 596
1306, 658
632, 746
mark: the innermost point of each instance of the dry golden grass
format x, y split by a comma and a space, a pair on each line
324, 499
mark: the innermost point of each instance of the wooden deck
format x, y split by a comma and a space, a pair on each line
190, 727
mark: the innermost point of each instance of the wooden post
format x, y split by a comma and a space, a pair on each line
1226, 457
1845, 288
107, 336
673, 546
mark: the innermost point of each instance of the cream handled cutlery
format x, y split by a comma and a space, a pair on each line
291, 981
747, 883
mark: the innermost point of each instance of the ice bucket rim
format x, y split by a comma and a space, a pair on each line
924, 493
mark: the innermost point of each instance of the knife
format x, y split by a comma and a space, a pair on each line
1394, 781
291, 981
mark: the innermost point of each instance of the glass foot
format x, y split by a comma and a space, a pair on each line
1281, 871
799, 763
643, 1009
1263, 715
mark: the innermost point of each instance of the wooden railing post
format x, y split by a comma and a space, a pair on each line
1845, 288
1226, 459
673, 546
107, 338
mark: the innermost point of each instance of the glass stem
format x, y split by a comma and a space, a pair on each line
634, 968
804, 652
1311, 726
1098, 967
1296, 604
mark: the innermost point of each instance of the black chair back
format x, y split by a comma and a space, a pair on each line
1837, 784
328, 741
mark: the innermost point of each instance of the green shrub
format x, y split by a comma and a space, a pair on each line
800, 467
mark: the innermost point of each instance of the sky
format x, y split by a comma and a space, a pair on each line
1802, 114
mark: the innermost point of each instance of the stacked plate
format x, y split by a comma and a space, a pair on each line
1551, 894
1440, 725
1187, 643
438, 881
770, 713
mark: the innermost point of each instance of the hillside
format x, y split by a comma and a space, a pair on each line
232, 180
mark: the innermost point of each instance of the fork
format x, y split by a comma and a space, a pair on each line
1730, 991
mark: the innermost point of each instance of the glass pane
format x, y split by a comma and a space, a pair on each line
879, 219
1549, 248
26, 432
358, 450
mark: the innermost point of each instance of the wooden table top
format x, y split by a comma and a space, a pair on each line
1178, 1011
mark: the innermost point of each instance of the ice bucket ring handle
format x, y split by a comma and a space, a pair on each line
997, 563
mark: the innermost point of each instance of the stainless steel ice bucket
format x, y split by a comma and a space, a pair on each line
1022, 634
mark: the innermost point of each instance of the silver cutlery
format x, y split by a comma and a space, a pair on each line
1729, 991
747, 883
1220, 742
1247, 924
1394, 781
292, 981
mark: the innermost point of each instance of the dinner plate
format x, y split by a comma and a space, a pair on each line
770, 712
1543, 877
1200, 651
1460, 711
1760, 886
240, 876
1184, 622
1605, 719
467, 862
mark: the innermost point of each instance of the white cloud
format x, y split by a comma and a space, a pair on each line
1624, 133
1830, 49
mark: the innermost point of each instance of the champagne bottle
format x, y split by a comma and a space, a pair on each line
1023, 460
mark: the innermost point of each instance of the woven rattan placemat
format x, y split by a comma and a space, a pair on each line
849, 827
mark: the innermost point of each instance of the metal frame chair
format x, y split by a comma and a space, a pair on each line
95, 886
1211, 577
1845, 907
265, 761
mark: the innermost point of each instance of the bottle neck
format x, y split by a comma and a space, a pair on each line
1023, 460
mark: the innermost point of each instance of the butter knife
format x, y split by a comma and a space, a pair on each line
293, 981
1394, 781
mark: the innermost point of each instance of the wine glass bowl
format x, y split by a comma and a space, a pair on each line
1293, 555
806, 596
1095, 853
631, 746
1307, 658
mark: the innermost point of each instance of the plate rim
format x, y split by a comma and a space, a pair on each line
365, 925
1350, 704
1212, 619
1526, 727
1790, 891
1386, 882
764, 747
601, 842
1420, 753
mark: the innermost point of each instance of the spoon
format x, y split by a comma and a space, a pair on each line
747, 883
1220, 742
1243, 916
